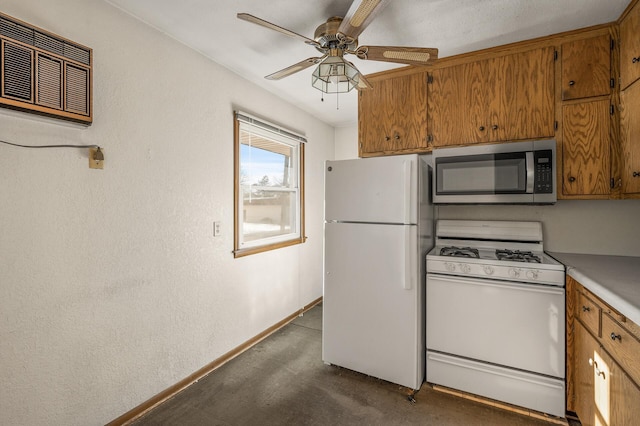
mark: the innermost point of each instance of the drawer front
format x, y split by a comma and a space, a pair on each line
589, 313
623, 346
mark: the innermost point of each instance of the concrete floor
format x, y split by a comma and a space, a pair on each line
283, 381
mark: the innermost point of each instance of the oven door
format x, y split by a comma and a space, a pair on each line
510, 324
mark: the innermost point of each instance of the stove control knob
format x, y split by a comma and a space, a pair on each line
464, 268
532, 274
488, 270
514, 272
450, 266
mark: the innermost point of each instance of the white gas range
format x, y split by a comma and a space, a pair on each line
500, 250
496, 314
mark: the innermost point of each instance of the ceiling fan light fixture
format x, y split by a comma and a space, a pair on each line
335, 75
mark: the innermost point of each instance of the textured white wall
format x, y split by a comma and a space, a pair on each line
577, 226
346, 148
112, 287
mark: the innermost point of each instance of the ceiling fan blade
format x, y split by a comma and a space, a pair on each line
359, 16
295, 68
397, 54
250, 18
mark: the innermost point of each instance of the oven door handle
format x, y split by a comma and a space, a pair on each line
531, 171
530, 287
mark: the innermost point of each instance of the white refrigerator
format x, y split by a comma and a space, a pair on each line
378, 229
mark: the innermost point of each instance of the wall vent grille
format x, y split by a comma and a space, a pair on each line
49, 82
44, 73
49, 43
77, 91
17, 72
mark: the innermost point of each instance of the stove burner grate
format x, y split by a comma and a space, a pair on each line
459, 252
518, 256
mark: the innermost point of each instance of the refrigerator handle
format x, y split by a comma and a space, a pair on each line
407, 191
407, 275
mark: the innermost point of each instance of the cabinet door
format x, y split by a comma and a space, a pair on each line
494, 100
624, 395
630, 47
630, 135
583, 375
605, 395
586, 144
374, 117
586, 68
393, 115
409, 125
454, 109
501, 92
533, 111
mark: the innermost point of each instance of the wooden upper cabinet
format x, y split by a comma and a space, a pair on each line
586, 148
630, 138
534, 95
392, 117
586, 68
630, 47
450, 105
499, 99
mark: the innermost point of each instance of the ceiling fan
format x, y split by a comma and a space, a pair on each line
339, 36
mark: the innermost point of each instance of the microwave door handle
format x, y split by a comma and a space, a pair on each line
530, 171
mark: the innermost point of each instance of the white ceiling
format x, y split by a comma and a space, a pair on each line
452, 26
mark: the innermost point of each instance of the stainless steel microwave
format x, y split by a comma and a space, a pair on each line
506, 173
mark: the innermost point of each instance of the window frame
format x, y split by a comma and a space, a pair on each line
239, 250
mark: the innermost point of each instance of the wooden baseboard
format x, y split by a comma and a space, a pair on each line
158, 399
503, 405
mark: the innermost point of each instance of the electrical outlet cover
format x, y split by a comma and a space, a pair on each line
93, 164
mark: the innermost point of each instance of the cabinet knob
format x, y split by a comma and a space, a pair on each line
572, 179
571, 82
635, 60
615, 336
636, 174
481, 128
586, 309
494, 127
397, 137
386, 138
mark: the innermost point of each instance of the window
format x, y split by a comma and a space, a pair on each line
269, 186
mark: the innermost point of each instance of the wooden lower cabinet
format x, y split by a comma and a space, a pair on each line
605, 395
584, 382
601, 391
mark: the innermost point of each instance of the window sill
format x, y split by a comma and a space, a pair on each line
269, 247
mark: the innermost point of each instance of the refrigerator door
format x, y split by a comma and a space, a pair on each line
373, 190
372, 295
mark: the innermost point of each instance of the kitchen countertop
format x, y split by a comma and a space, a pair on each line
615, 279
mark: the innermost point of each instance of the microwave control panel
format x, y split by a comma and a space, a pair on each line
543, 182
